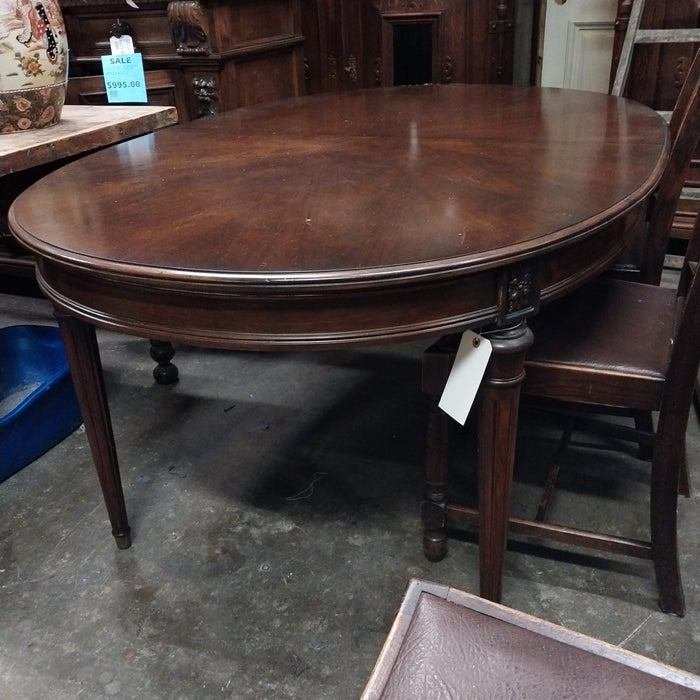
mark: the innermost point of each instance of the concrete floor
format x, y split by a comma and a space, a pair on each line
274, 505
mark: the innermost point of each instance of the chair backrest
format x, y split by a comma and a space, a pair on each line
685, 355
685, 135
679, 199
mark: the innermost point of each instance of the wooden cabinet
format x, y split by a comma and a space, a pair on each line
366, 43
203, 57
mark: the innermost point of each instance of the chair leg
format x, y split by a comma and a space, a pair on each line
644, 422
554, 471
684, 475
436, 466
664, 537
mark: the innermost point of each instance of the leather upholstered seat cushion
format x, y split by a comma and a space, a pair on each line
580, 340
450, 650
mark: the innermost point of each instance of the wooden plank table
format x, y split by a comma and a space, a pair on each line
26, 156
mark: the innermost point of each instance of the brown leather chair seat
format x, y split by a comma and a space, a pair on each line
448, 644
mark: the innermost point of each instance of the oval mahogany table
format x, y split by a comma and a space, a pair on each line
345, 219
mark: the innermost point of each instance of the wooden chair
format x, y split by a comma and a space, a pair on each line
689, 201
616, 346
645, 259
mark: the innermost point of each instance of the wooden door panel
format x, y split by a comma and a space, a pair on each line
577, 46
350, 43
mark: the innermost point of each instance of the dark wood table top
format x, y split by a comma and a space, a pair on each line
343, 218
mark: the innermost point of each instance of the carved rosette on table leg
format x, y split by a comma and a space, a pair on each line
83, 356
518, 293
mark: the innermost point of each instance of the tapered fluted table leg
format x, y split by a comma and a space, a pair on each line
83, 356
498, 420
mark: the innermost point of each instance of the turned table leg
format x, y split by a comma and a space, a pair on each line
83, 356
498, 423
437, 363
165, 372
436, 473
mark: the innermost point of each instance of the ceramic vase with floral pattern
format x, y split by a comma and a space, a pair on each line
33, 64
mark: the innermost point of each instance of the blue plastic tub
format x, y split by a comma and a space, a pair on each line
38, 406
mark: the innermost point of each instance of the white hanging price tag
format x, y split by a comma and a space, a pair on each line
121, 45
465, 377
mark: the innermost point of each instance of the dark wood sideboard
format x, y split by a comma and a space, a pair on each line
206, 56
202, 57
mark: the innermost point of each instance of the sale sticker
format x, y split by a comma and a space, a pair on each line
124, 78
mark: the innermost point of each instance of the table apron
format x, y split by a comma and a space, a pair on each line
278, 317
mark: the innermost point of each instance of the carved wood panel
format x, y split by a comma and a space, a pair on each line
350, 43
216, 54
657, 72
221, 54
